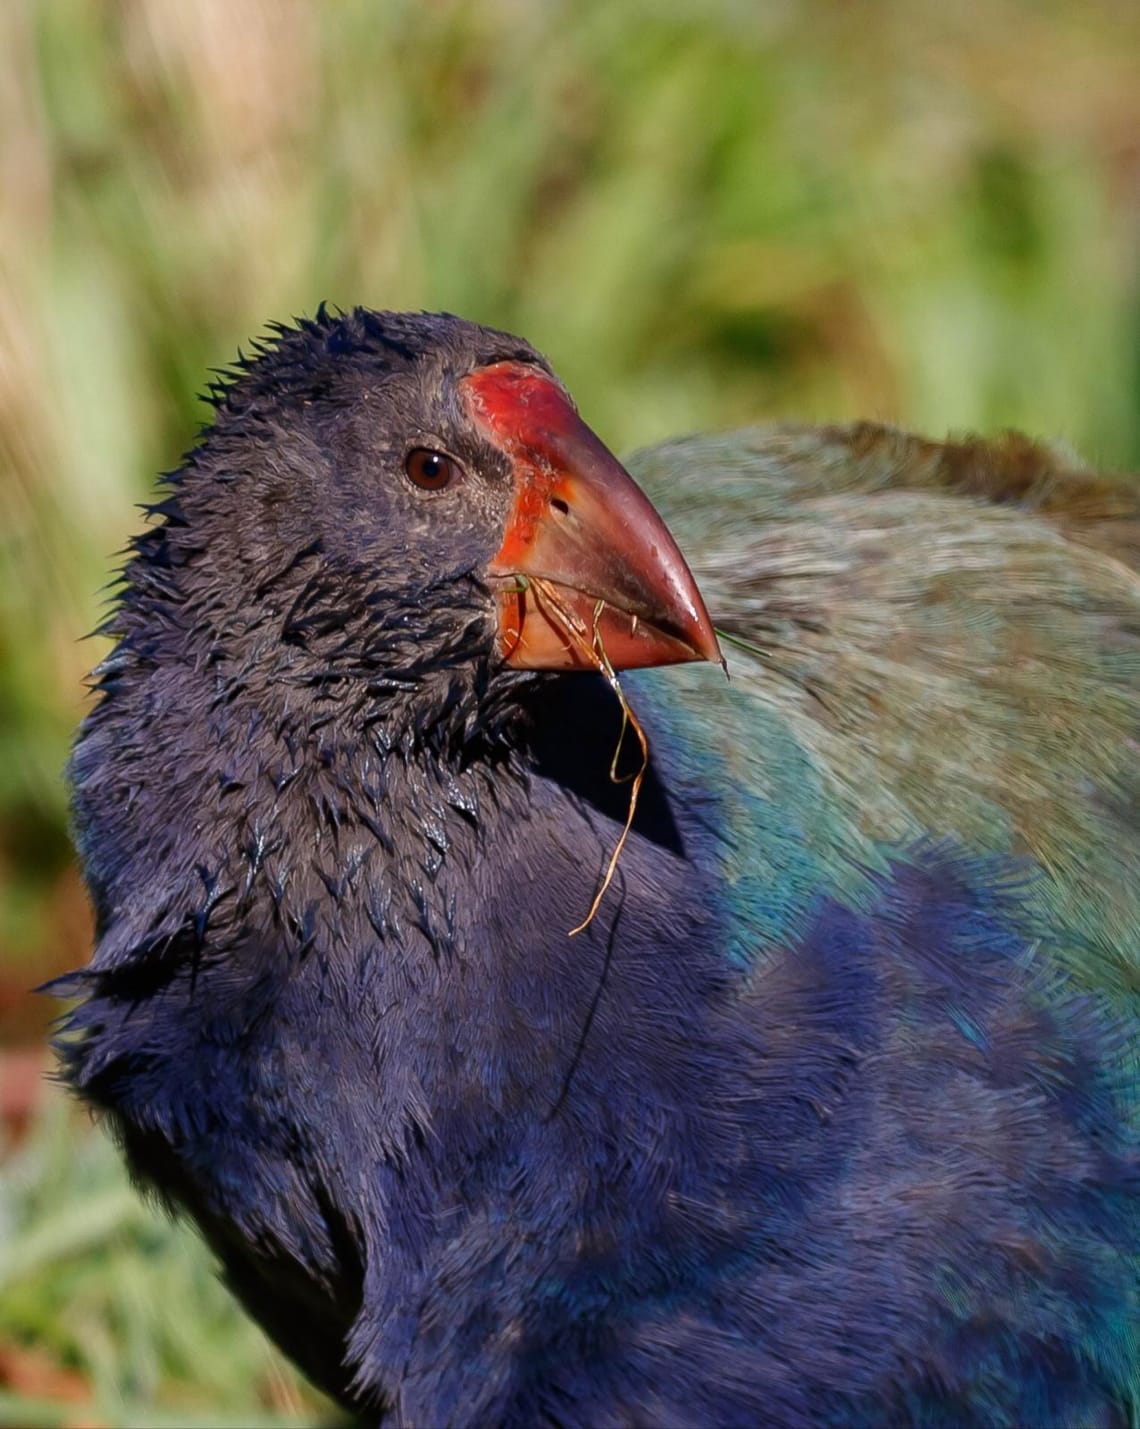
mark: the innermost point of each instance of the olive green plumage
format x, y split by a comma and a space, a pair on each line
951, 632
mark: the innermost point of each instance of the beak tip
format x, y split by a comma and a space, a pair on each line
703, 639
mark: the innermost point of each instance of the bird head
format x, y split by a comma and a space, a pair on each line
391, 498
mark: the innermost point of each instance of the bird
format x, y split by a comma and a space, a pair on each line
647, 944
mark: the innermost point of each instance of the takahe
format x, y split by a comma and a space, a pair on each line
825, 1112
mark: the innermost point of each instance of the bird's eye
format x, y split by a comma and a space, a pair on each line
429, 470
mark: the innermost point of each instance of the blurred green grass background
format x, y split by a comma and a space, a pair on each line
705, 212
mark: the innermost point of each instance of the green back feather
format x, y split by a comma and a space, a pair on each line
944, 639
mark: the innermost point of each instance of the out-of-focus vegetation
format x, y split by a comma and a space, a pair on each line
111, 1316
705, 211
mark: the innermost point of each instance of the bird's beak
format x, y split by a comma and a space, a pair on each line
586, 563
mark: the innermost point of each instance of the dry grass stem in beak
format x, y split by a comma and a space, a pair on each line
594, 651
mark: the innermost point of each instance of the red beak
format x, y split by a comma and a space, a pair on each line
586, 562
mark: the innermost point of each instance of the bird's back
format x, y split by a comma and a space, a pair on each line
929, 813
943, 640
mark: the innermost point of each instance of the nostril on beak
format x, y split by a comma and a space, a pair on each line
559, 506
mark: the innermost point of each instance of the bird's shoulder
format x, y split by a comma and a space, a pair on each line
925, 640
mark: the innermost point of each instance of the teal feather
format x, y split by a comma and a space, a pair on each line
922, 637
